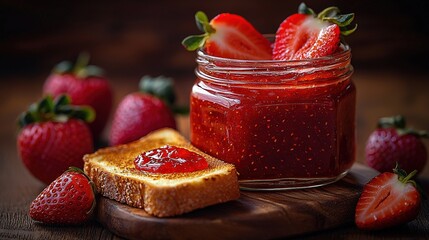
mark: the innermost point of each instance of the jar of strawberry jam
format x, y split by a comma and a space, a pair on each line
284, 124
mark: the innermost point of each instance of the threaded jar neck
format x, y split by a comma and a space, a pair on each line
217, 70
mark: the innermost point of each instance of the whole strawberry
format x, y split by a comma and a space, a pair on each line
70, 199
53, 137
140, 113
388, 200
86, 86
393, 143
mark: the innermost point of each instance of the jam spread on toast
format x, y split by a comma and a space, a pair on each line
170, 159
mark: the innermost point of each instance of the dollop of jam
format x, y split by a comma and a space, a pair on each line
170, 159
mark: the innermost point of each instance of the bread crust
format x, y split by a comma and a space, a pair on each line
162, 195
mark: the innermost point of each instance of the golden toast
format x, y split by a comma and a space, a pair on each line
115, 176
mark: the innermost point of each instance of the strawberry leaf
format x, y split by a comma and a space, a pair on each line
332, 15
399, 124
303, 9
46, 105
58, 110
203, 22
61, 100
340, 20
162, 88
397, 121
63, 67
81, 69
328, 13
194, 42
26, 118
346, 32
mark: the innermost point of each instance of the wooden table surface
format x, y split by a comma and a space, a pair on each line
379, 94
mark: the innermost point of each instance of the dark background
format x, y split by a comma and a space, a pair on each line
133, 38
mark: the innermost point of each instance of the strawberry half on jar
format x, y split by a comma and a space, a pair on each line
307, 35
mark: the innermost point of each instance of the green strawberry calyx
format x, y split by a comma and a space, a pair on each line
195, 42
332, 15
398, 122
80, 69
56, 110
405, 178
163, 88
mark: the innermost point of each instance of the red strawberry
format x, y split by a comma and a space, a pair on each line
229, 36
54, 138
140, 113
388, 200
86, 86
305, 35
70, 199
392, 143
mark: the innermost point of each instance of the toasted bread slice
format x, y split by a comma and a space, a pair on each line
113, 172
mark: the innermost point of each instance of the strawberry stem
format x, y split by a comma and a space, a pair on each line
403, 176
303, 9
81, 63
406, 178
409, 176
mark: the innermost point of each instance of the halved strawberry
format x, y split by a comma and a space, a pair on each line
229, 36
388, 200
306, 35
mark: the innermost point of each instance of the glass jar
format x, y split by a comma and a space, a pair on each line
283, 124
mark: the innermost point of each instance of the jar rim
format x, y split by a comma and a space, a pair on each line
220, 70
344, 53
338, 55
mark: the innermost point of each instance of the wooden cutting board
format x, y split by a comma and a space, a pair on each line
255, 215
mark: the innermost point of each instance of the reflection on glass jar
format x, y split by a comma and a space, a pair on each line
284, 124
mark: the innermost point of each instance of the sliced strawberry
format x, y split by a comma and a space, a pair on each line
229, 36
388, 200
305, 35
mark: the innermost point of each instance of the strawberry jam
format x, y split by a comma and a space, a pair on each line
170, 159
284, 124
